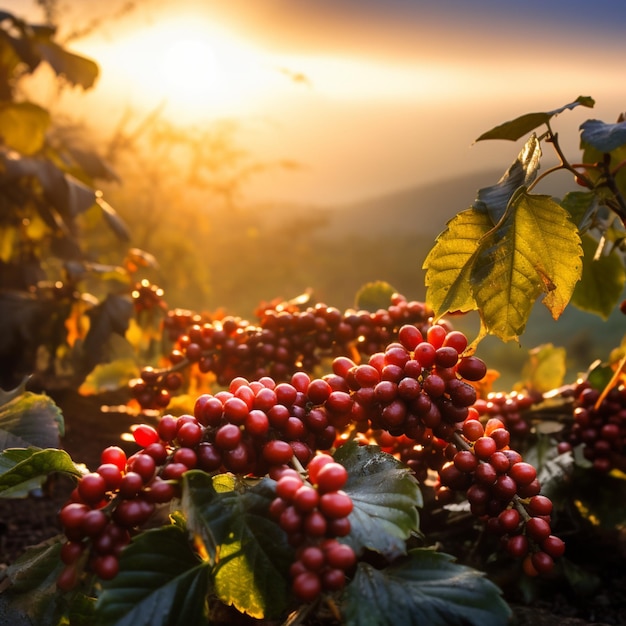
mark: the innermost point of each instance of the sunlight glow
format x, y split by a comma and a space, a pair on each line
196, 69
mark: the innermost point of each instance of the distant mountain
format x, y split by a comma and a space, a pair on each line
423, 208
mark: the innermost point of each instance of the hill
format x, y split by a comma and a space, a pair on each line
425, 208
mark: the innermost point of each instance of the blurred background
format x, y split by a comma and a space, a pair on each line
260, 149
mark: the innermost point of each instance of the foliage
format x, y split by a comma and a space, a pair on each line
513, 247
58, 304
382, 491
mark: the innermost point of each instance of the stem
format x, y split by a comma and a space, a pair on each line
612, 383
297, 465
297, 617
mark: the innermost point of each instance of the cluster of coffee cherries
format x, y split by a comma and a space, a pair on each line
417, 394
502, 490
417, 401
510, 408
285, 339
107, 505
600, 428
147, 296
313, 514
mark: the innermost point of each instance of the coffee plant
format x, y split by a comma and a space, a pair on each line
326, 466
65, 281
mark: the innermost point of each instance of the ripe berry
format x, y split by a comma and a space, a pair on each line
92, 487
114, 455
335, 504
316, 464
144, 435
307, 586
331, 477
277, 452
189, 434
538, 529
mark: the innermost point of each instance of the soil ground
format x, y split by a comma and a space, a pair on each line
26, 522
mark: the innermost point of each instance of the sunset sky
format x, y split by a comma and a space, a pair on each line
369, 96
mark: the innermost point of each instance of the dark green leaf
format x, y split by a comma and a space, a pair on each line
30, 420
32, 597
602, 281
6, 395
385, 496
22, 470
580, 205
596, 497
249, 549
427, 588
161, 582
76, 69
374, 296
111, 316
602, 136
80, 197
522, 172
520, 126
113, 220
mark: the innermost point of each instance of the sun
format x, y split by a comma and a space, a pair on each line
190, 69
191, 66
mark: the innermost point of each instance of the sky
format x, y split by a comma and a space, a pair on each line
368, 96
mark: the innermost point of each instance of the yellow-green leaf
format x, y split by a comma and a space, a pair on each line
8, 237
545, 368
374, 295
449, 262
23, 126
109, 377
534, 249
602, 282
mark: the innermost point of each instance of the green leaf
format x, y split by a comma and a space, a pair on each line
385, 496
597, 174
596, 497
32, 597
600, 375
602, 136
545, 368
30, 420
161, 582
23, 126
449, 263
602, 281
375, 295
22, 470
249, 549
534, 249
520, 126
523, 171
427, 588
